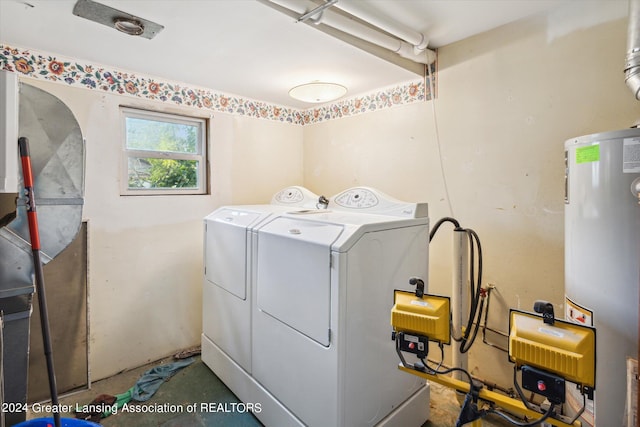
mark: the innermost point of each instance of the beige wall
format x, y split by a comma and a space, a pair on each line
145, 253
507, 101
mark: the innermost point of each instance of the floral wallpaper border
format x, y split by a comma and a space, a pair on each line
37, 65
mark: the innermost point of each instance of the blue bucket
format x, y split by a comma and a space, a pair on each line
64, 422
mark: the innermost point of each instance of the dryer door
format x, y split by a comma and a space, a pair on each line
226, 249
293, 280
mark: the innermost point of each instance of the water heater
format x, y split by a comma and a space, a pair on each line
602, 254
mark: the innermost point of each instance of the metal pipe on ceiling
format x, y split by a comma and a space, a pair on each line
317, 10
367, 33
417, 39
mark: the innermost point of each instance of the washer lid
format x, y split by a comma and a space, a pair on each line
293, 278
318, 232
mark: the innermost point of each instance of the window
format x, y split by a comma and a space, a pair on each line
163, 153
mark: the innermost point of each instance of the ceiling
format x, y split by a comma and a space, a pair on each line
244, 47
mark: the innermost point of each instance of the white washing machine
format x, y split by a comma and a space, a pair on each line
227, 258
323, 286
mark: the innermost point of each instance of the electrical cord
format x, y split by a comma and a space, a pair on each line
518, 423
448, 370
476, 413
432, 89
472, 410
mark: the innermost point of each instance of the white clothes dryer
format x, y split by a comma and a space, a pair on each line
323, 284
227, 260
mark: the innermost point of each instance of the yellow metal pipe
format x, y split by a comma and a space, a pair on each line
510, 404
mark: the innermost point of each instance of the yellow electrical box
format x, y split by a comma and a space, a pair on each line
428, 316
566, 349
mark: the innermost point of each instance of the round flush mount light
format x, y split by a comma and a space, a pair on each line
316, 92
133, 27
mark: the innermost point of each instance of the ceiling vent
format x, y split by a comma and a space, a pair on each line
114, 18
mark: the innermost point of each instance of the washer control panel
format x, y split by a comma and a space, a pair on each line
370, 200
356, 198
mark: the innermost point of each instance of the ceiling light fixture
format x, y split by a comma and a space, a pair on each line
133, 27
317, 92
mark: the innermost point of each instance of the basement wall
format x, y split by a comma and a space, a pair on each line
145, 252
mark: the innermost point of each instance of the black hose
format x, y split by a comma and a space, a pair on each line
476, 291
435, 371
475, 282
440, 222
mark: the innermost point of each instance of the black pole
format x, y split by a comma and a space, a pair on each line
23, 144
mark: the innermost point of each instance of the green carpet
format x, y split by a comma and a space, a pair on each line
192, 397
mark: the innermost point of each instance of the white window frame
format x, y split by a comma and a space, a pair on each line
200, 156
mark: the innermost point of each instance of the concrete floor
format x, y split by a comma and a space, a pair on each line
196, 384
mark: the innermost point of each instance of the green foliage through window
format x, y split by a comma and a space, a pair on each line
162, 173
163, 152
